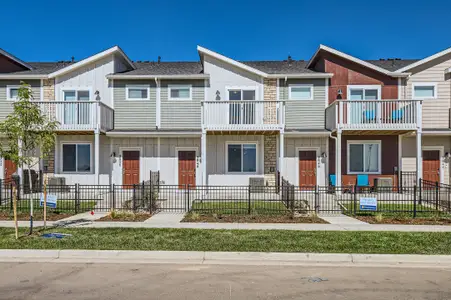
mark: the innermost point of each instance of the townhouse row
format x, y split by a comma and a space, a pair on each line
219, 121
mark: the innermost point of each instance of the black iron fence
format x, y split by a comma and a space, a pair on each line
151, 196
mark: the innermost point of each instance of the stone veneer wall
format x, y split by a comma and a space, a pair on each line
49, 95
270, 141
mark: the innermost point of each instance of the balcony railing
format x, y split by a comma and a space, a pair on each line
78, 115
243, 115
374, 115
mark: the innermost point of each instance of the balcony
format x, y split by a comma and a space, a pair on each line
391, 116
244, 115
79, 115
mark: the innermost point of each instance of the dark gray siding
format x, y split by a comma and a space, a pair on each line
6, 106
182, 114
304, 114
134, 114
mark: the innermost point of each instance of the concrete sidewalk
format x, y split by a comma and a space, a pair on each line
236, 258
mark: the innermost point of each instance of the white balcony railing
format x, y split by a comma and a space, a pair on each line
243, 115
374, 115
78, 115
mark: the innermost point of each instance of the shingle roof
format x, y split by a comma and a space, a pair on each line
280, 66
392, 64
166, 68
42, 68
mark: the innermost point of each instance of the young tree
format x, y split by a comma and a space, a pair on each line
30, 135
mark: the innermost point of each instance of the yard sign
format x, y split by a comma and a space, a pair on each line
368, 204
51, 200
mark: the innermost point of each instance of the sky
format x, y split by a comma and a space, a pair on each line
243, 30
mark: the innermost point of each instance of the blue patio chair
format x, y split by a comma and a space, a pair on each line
397, 115
369, 115
332, 180
363, 181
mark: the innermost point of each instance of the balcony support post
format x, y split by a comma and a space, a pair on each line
338, 159
281, 153
204, 157
96, 155
419, 157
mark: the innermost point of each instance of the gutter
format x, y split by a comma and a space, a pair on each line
17, 76
301, 75
192, 76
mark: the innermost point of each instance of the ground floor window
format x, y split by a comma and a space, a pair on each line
76, 158
242, 158
364, 157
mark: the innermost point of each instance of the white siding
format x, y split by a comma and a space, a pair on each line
223, 75
92, 76
291, 157
435, 111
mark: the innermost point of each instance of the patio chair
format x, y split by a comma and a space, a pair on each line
369, 115
397, 115
363, 182
332, 182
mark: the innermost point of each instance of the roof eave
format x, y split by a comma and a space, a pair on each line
17, 60
18, 76
301, 75
425, 60
187, 76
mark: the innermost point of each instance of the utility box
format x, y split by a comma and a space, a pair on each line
257, 184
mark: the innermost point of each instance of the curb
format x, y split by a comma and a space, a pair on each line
237, 258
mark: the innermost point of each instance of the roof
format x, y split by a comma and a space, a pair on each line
280, 66
392, 64
166, 68
425, 60
42, 68
15, 59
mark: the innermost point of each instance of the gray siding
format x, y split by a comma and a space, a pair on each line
134, 114
304, 114
6, 106
184, 114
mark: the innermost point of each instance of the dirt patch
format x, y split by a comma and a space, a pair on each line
6, 216
251, 219
406, 221
125, 218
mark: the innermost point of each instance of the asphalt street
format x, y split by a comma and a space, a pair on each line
170, 281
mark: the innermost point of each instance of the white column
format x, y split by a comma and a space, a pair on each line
204, 157
281, 153
338, 159
399, 156
96, 155
419, 157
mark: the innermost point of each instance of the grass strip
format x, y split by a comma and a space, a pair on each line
235, 240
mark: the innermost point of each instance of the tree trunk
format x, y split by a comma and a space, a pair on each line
30, 182
16, 225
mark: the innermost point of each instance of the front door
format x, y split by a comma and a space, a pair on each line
431, 165
307, 169
187, 169
130, 167
9, 169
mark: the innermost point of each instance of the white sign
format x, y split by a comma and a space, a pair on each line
51, 200
368, 204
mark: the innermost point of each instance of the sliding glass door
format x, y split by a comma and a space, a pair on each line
241, 112
365, 110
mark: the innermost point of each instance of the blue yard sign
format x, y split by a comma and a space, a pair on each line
368, 204
51, 200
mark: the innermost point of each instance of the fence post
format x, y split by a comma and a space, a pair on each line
134, 197
436, 195
316, 199
1, 191
354, 191
415, 201
114, 196
11, 196
150, 196
249, 199
448, 200
420, 194
143, 197
77, 198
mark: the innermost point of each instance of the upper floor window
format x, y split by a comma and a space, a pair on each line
424, 90
76, 95
180, 92
301, 92
12, 92
137, 92
364, 92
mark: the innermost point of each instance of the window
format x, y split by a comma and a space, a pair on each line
241, 113
76, 95
12, 92
242, 158
364, 92
424, 91
364, 157
301, 92
76, 158
180, 92
137, 92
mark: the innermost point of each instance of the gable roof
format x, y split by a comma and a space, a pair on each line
369, 64
15, 59
425, 60
88, 60
392, 64
268, 69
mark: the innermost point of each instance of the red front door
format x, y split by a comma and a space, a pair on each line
8, 170
431, 165
187, 169
130, 167
307, 169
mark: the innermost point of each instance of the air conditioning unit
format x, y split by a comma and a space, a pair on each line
57, 184
383, 182
257, 184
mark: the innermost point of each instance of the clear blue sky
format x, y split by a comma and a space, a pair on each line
245, 30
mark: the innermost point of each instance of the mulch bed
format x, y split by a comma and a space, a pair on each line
125, 218
6, 216
252, 219
405, 221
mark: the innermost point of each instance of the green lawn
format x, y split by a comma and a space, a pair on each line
397, 210
235, 240
227, 207
66, 206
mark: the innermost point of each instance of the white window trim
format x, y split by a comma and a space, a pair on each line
137, 86
91, 165
415, 84
241, 143
290, 86
178, 86
242, 88
364, 87
8, 89
361, 142
76, 89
